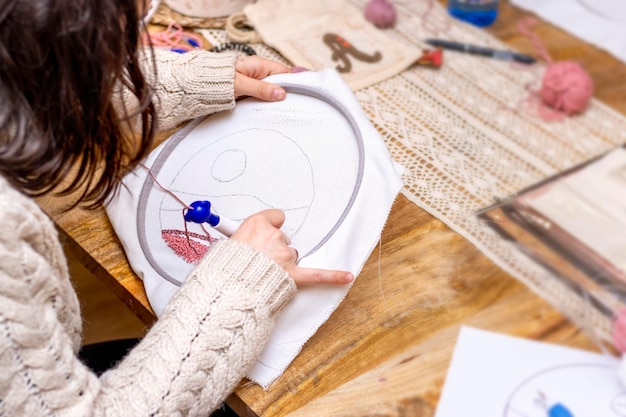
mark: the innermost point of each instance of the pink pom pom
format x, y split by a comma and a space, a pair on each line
566, 87
381, 13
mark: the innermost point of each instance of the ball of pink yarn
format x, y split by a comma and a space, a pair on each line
566, 87
381, 13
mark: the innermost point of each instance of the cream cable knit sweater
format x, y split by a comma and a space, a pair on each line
189, 85
190, 360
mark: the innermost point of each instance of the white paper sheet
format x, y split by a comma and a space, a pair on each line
494, 375
599, 22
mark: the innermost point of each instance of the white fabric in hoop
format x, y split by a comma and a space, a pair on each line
314, 155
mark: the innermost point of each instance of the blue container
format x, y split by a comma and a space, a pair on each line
477, 12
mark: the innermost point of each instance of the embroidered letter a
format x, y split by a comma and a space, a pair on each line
342, 48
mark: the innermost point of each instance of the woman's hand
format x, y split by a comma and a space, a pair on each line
262, 232
249, 71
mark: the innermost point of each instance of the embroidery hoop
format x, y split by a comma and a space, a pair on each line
173, 142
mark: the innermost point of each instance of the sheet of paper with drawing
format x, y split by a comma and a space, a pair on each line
315, 156
502, 376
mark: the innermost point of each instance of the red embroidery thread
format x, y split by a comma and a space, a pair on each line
191, 251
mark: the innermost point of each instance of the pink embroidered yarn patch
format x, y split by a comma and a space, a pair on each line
183, 244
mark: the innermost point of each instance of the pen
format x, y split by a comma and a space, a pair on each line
481, 50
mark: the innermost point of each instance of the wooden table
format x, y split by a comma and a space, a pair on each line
386, 349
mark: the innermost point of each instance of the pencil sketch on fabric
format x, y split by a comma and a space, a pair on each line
315, 156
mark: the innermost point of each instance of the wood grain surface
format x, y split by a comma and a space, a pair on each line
386, 349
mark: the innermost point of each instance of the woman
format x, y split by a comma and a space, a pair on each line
62, 66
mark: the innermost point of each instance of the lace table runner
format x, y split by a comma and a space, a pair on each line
467, 136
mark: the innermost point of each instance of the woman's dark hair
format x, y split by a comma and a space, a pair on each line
63, 64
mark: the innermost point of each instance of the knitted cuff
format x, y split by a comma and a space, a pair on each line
242, 268
193, 84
